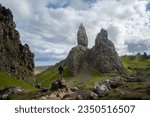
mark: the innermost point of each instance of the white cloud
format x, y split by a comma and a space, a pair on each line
51, 32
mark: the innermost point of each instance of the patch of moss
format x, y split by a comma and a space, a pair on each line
7, 80
45, 78
136, 65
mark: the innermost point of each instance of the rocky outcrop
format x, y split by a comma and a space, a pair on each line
102, 88
76, 59
61, 91
103, 55
9, 91
81, 36
58, 84
15, 58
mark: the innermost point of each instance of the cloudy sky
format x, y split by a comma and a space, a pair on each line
49, 27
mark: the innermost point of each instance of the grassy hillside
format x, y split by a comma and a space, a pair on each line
136, 65
82, 80
39, 69
7, 80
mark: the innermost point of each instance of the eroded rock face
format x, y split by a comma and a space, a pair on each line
76, 59
103, 55
15, 58
82, 36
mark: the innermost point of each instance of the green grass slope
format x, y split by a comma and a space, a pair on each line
83, 80
45, 78
7, 80
136, 65
86, 79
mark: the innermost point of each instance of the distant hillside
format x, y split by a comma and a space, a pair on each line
138, 65
39, 69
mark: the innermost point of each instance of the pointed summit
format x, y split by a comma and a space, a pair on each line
102, 37
82, 36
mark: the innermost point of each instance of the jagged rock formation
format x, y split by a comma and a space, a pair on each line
81, 36
15, 58
102, 56
76, 59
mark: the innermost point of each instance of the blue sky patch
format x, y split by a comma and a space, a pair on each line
148, 7
65, 3
58, 4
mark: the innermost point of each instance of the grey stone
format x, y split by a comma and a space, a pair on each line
86, 95
76, 59
115, 81
58, 84
82, 36
103, 55
101, 88
74, 89
8, 91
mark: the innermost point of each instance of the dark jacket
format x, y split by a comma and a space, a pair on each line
60, 69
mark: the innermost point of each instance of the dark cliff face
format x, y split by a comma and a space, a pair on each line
15, 58
103, 55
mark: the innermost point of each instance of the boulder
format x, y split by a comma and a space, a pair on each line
114, 81
101, 88
58, 84
74, 89
86, 95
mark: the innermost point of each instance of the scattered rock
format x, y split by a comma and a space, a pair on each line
58, 84
115, 82
7, 92
66, 93
137, 79
74, 89
70, 96
101, 88
86, 95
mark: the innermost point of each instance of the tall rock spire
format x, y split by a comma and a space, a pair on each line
104, 56
82, 36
